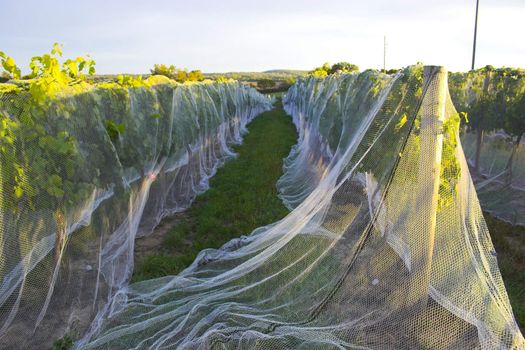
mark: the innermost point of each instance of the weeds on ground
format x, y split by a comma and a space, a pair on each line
509, 241
64, 343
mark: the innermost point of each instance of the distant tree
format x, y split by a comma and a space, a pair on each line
177, 74
162, 69
265, 84
236, 76
392, 71
181, 76
326, 69
221, 79
290, 81
4, 77
195, 75
322, 71
343, 67
318, 73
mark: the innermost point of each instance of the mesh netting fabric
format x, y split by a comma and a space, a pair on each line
500, 192
76, 189
495, 154
385, 248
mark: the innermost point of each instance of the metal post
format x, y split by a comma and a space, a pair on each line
475, 35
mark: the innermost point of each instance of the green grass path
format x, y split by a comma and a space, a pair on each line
242, 197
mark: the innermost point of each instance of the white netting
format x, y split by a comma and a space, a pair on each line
494, 141
386, 247
76, 190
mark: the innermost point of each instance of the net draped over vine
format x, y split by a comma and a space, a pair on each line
494, 139
385, 248
84, 175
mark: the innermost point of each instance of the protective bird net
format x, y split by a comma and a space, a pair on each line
84, 175
494, 142
500, 189
386, 246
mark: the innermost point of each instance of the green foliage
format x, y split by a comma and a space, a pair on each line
44, 150
402, 114
401, 122
46, 166
338, 68
130, 81
265, 83
221, 79
484, 107
64, 343
181, 76
320, 72
177, 74
489, 96
162, 264
494, 100
290, 81
407, 123
392, 71
114, 130
343, 67
514, 99
9, 65
44, 158
162, 69
450, 166
4, 77
195, 75
515, 118
75, 67
48, 76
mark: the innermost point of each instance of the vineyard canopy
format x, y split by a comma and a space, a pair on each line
88, 171
385, 246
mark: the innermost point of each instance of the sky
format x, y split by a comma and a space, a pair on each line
246, 35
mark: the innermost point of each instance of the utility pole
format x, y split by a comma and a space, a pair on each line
475, 34
384, 54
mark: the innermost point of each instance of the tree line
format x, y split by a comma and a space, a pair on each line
327, 69
178, 74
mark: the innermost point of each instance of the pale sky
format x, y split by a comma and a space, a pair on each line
242, 35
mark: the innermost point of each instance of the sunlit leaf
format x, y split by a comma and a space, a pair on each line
401, 123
